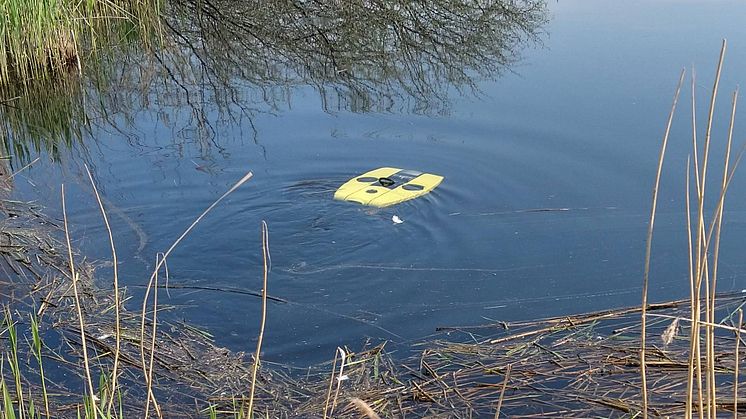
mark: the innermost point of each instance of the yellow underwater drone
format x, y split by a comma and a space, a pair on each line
387, 186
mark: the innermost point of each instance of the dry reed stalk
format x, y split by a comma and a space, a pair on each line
12, 175
716, 253
735, 368
147, 367
340, 378
75, 278
648, 247
709, 382
364, 408
331, 384
687, 197
255, 369
167, 253
710, 357
502, 391
694, 297
117, 303
160, 262
692, 291
152, 340
701, 259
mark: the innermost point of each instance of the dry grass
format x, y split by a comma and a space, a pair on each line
263, 322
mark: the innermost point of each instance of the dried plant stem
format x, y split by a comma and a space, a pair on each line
147, 366
160, 262
340, 378
152, 341
692, 296
502, 391
735, 368
711, 342
709, 383
701, 270
715, 257
117, 303
702, 241
648, 247
364, 408
12, 175
75, 278
167, 253
331, 385
255, 369
695, 361
689, 231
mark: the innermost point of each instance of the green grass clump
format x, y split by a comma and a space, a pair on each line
43, 37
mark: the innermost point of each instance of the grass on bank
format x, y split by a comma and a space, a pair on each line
55, 57
40, 38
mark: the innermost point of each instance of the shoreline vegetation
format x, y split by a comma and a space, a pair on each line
61, 320
53, 54
40, 39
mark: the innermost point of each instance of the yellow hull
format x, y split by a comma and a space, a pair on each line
387, 186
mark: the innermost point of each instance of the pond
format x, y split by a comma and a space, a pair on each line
544, 121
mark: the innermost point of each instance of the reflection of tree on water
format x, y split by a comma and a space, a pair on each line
360, 55
47, 115
226, 60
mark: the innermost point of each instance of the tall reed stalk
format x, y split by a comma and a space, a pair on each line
255, 369
694, 293
704, 254
736, 363
648, 247
117, 303
152, 285
701, 271
704, 233
75, 279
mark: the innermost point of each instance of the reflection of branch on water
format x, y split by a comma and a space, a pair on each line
222, 62
360, 56
47, 115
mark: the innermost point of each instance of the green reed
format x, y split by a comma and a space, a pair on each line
39, 38
37, 344
46, 116
54, 56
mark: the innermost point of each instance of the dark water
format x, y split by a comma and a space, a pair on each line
573, 123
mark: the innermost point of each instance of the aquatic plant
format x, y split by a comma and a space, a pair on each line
52, 52
41, 38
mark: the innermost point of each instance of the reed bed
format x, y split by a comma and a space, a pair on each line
40, 38
186, 363
576, 366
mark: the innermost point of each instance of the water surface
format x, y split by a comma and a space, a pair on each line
548, 159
